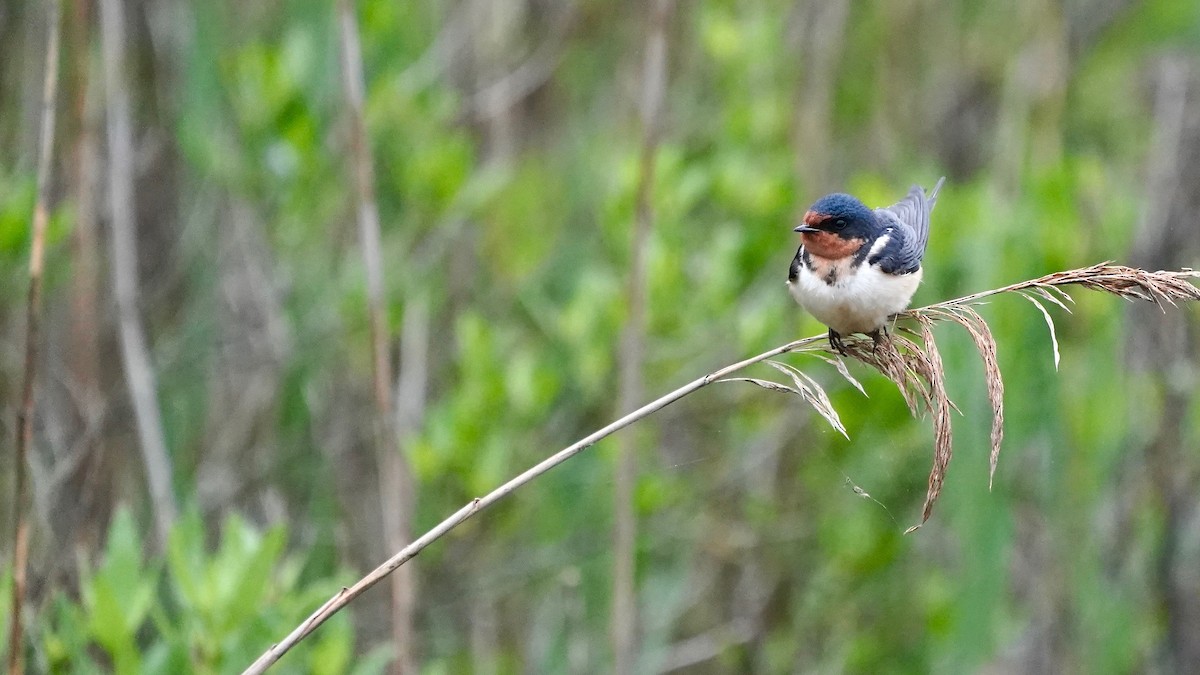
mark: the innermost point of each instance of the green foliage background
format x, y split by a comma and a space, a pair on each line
514, 227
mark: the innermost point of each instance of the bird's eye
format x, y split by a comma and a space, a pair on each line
839, 223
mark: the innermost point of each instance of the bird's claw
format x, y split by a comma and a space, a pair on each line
835, 341
877, 337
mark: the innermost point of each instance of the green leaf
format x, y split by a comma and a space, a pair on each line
122, 564
255, 577
109, 625
331, 653
185, 548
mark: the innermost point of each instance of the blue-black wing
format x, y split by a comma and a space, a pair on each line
909, 222
794, 269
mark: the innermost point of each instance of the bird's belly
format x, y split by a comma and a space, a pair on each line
857, 302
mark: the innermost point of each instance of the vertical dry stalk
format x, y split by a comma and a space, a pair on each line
89, 489
139, 370
412, 395
395, 477
84, 240
624, 609
412, 385
37, 248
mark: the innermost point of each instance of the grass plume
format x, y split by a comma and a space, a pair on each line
914, 364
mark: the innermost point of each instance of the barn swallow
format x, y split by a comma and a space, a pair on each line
856, 266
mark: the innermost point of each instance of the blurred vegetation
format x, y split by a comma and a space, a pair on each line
195, 611
506, 136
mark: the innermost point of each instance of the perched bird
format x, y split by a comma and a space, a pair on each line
856, 266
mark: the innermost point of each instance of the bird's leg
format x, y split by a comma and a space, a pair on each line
835, 341
877, 337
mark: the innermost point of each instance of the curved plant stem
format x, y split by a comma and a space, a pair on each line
1127, 282
343, 597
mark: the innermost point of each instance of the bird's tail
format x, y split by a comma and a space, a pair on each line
932, 195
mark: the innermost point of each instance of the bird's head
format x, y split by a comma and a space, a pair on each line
837, 226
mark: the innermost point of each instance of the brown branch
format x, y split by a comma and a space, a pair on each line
139, 369
89, 488
37, 248
1127, 282
396, 484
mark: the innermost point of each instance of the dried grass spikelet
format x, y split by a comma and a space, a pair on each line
915, 365
806, 388
916, 368
985, 343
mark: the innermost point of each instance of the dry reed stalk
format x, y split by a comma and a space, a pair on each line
140, 378
623, 617
915, 367
37, 248
395, 475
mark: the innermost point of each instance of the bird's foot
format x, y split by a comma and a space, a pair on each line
877, 338
835, 341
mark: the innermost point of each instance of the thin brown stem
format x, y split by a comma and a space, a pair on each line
346, 595
624, 617
90, 491
41, 215
395, 477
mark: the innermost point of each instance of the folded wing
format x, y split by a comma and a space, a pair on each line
910, 217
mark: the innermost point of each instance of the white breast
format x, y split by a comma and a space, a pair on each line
859, 301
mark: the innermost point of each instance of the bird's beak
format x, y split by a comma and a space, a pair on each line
811, 218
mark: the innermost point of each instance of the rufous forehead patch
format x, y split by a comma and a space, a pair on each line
829, 245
